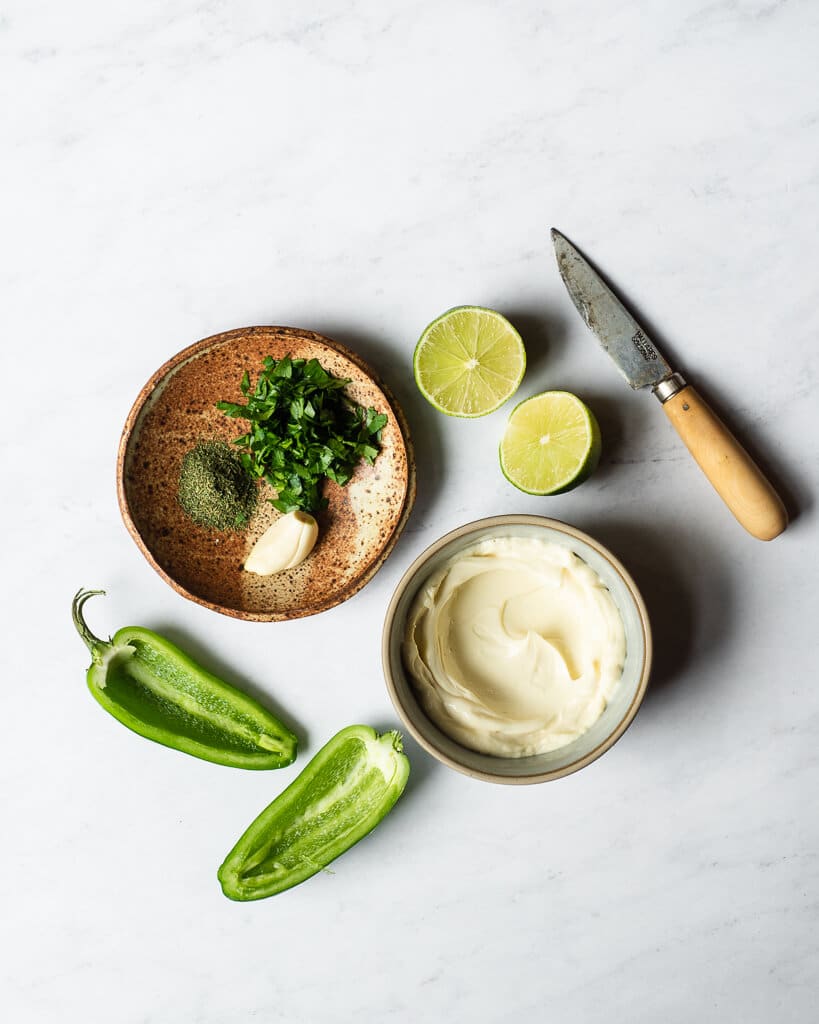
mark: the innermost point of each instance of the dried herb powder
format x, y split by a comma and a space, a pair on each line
214, 487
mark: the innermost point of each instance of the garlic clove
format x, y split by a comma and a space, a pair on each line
283, 545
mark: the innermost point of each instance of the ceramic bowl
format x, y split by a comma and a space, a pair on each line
606, 730
177, 408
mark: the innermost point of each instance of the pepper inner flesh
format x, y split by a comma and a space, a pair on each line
343, 791
149, 687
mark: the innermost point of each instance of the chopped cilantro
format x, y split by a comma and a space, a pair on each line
302, 428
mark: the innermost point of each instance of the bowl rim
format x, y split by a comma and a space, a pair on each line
390, 625
191, 352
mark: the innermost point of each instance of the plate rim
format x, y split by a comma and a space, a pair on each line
190, 352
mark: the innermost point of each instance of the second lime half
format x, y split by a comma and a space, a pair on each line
551, 443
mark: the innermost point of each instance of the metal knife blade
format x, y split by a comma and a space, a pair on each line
628, 344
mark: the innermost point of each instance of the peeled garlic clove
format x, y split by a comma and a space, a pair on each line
283, 545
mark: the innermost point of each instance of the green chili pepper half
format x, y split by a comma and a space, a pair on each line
151, 686
342, 794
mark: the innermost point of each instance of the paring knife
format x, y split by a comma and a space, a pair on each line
732, 472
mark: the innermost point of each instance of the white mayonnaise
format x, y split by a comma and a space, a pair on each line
514, 646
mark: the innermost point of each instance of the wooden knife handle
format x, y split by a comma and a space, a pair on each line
733, 473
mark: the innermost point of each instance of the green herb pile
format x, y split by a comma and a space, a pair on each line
215, 489
302, 429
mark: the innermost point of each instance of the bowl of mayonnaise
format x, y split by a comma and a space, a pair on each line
516, 649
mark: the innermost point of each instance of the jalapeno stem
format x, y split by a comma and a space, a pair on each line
96, 646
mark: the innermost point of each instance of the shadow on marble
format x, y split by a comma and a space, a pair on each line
422, 767
205, 656
425, 429
610, 412
687, 587
750, 432
545, 334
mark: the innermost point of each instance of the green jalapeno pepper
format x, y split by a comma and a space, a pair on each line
154, 688
342, 794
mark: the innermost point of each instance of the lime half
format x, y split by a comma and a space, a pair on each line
469, 361
551, 444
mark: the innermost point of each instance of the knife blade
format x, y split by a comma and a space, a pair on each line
628, 344
730, 469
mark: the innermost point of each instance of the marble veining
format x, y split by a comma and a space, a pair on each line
177, 168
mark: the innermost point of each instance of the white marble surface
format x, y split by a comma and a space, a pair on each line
171, 169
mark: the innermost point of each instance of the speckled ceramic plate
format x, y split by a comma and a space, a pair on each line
177, 408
